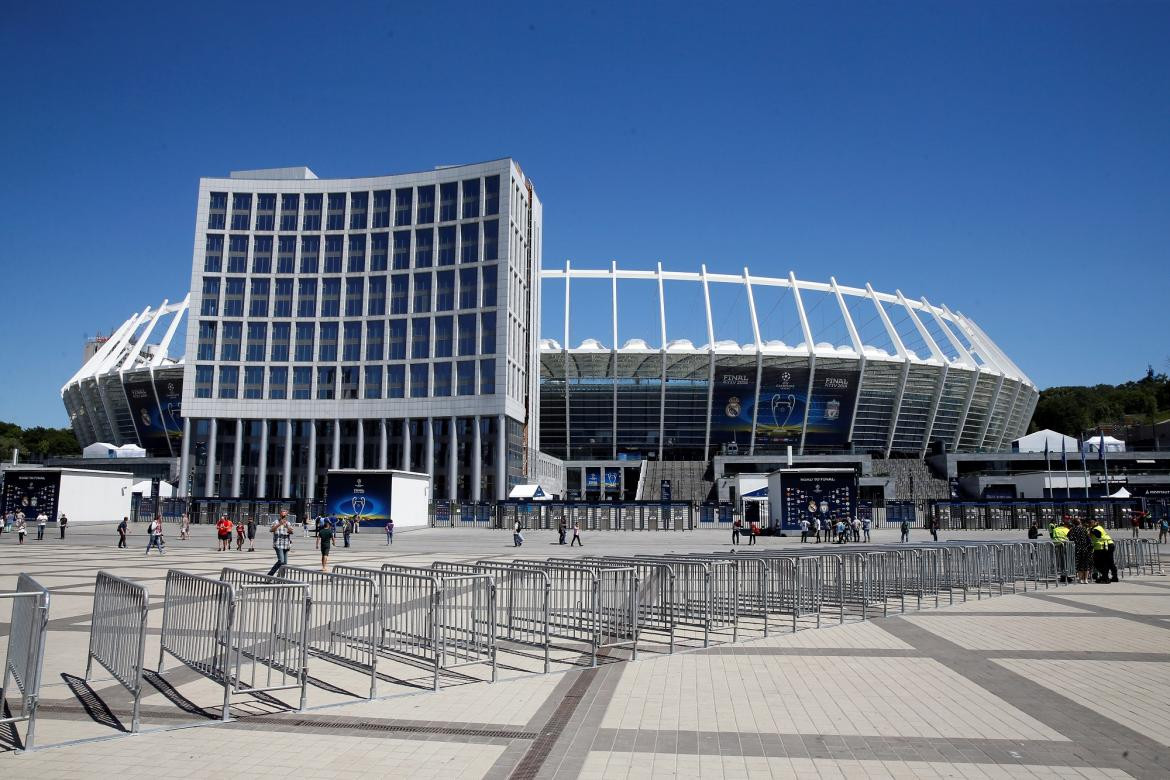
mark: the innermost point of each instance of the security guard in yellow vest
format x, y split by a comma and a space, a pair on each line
1060, 537
1103, 548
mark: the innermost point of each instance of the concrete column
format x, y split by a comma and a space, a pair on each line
209, 480
311, 485
360, 459
429, 452
335, 462
262, 482
452, 460
406, 444
185, 458
501, 458
383, 445
238, 458
476, 461
286, 477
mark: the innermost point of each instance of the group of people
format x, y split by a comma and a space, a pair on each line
562, 533
840, 531
225, 529
1093, 547
737, 530
155, 539
17, 522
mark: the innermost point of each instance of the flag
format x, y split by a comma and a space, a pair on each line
1101, 449
1063, 455
1046, 466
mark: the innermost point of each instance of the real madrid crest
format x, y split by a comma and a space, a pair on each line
733, 406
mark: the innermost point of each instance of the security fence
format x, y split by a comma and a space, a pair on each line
249, 637
117, 634
587, 515
25, 657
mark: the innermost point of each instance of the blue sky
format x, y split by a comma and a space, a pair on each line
1007, 159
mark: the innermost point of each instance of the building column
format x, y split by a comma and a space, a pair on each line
311, 486
212, 435
501, 458
429, 453
286, 477
262, 481
360, 457
452, 459
383, 445
406, 444
185, 459
476, 461
335, 461
238, 458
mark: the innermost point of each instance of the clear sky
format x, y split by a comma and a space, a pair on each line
1008, 159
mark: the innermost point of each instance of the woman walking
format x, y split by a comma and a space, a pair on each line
20, 529
185, 527
390, 532
251, 534
1082, 550
239, 536
325, 537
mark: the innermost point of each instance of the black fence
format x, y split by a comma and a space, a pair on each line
1019, 515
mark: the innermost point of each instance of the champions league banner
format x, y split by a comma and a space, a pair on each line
782, 401
148, 419
31, 493
170, 399
834, 398
816, 496
781, 413
732, 399
363, 494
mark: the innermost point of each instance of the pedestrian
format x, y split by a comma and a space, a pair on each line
561, 531
317, 536
390, 531
840, 528
905, 528
62, 521
224, 530
325, 537
155, 536
817, 528
804, 530
1082, 550
185, 527
1034, 531
347, 525
576, 534
42, 521
1163, 530
934, 528
20, 529
736, 525
856, 530
517, 536
1103, 547
240, 531
123, 529
753, 532
865, 527
282, 532
251, 534
6, 524
1136, 522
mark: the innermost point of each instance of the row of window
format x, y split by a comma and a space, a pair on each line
415, 380
326, 342
404, 206
357, 296
455, 243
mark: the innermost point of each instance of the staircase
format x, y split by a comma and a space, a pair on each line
689, 480
912, 478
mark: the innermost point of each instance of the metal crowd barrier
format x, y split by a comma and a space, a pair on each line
117, 634
25, 657
249, 638
344, 623
1138, 556
443, 621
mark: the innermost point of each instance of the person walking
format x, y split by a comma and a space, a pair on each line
123, 530
561, 531
1034, 531
576, 534
905, 528
1082, 550
841, 537
1136, 522
1163, 530
223, 530
325, 537
517, 535
62, 521
321, 520
736, 527
155, 534
185, 527
251, 529
282, 532
1103, 548
240, 531
753, 532
865, 524
390, 532
42, 521
6, 523
804, 530
934, 528
20, 529
347, 526
856, 529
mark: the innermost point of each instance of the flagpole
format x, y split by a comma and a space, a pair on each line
1047, 469
1105, 461
1084, 467
1064, 460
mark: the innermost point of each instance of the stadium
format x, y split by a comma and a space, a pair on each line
392, 322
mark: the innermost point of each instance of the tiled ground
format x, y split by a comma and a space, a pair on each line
1064, 682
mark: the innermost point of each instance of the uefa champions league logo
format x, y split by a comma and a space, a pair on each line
358, 500
783, 405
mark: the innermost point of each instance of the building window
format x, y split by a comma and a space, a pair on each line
399, 287
310, 254
266, 212
491, 240
351, 350
426, 205
331, 297
491, 195
424, 248
238, 255
401, 250
335, 217
357, 254
326, 382
465, 382
470, 239
210, 304
349, 382
312, 219
379, 251
327, 345
373, 382
281, 332
377, 298
447, 245
229, 381
289, 208
357, 210
396, 381
241, 211
354, 306
487, 376
302, 383
233, 303
217, 214
397, 340
467, 334
448, 201
422, 293
489, 286
253, 381
262, 255
304, 351
307, 298
213, 257
468, 299
278, 382
418, 380
257, 342
442, 386
420, 338
471, 199
229, 347
282, 302
332, 264
286, 255
381, 209
203, 375
258, 306
487, 339
374, 340
443, 337
206, 350
403, 205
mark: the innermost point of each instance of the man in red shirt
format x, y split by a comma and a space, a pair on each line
224, 529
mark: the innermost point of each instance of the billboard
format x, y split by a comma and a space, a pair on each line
613, 479
732, 398
365, 494
170, 401
816, 495
782, 406
592, 478
782, 394
830, 415
32, 492
147, 417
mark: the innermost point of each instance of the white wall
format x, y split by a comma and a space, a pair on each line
410, 496
90, 497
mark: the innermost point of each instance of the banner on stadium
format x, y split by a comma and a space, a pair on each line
32, 492
830, 414
147, 417
613, 479
782, 400
364, 494
170, 401
592, 478
816, 495
732, 399
782, 406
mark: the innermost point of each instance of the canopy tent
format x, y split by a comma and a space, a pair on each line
1094, 444
531, 492
1035, 442
759, 494
1121, 493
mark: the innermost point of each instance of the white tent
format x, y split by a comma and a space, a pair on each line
532, 492
1121, 493
1094, 443
1034, 442
103, 450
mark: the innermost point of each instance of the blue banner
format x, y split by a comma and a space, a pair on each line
364, 495
816, 496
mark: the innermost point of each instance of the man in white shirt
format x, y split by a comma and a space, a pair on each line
42, 521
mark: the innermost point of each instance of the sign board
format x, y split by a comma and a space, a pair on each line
612, 479
148, 418
362, 494
665, 490
32, 492
592, 478
815, 494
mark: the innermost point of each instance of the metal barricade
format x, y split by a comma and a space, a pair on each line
117, 634
344, 624
656, 590
24, 660
250, 638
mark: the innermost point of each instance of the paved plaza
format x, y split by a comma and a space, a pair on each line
1060, 682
